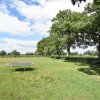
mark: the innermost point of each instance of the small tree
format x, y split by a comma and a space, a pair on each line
2, 53
15, 53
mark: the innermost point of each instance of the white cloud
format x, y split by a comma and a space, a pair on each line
20, 45
80, 50
3, 8
36, 14
41, 27
37, 21
30, 11
49, 9
14, 26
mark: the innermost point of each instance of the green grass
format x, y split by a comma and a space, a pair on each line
51, 79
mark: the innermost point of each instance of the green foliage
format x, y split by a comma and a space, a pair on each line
94, 27
70, 30
65, 33
2, 53
15, 53
42, 47
64, 27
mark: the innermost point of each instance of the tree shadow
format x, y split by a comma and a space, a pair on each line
93, 63
94, 69
87, 71
23, 69
90, 71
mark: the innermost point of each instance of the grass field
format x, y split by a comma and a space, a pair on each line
48, 79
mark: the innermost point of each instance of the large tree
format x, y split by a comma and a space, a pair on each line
66, 26
71, 29
93, 31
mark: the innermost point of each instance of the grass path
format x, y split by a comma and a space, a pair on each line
51, 79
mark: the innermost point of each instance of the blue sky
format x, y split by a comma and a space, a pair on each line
24, 22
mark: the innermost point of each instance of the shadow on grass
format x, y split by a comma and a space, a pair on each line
89, 71
23, 69
93, 63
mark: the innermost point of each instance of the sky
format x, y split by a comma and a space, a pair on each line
25, 22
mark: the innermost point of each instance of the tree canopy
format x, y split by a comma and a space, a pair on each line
2, 53
94, 26
72, 29
15, 53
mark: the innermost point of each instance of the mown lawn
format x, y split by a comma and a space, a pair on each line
49, 79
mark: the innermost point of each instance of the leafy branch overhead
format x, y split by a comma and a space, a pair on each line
97, 2
75, 1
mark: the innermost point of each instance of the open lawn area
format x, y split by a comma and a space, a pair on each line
48, 79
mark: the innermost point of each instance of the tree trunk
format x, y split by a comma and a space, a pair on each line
58, 55
99, 53
42, 53
58, 52
68, 52
99, 49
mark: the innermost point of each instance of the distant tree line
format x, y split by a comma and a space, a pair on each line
14, 53
70, 30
